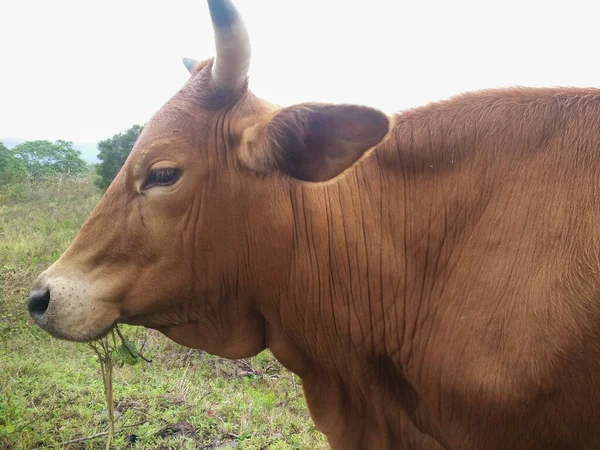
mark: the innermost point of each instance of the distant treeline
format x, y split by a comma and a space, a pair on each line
33, 160
112, 154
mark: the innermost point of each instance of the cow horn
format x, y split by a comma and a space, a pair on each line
190, 64
232, 60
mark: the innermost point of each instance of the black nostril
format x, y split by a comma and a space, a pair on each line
38, 302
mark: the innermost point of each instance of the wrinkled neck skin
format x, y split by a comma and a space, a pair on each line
336, 311
333, 321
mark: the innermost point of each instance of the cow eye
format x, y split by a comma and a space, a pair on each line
162, 177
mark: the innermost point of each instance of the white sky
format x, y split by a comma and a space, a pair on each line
83, 71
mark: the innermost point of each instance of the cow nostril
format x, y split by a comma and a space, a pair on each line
38, 302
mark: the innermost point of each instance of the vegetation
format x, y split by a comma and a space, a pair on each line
52, 392
112, 153
44, 158
11, 169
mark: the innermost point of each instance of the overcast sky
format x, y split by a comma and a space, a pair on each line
83, 71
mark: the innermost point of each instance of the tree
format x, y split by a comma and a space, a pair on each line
11, 169
43, 158
112, 153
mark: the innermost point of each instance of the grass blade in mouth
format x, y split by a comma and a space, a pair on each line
104, 348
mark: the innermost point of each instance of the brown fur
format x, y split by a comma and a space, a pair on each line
440, 293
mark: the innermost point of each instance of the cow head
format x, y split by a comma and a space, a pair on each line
193, 236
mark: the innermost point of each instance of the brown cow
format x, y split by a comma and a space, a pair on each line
433, 277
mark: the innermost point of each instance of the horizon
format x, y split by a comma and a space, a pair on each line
85, 72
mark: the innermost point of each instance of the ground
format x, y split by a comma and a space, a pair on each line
51, 391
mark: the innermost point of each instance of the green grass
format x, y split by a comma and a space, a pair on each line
51, 391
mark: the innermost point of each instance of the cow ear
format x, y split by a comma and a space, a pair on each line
313, 142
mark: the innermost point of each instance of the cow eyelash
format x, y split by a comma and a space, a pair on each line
162, 177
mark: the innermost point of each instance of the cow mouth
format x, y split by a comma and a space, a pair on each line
51, 323
86, 336
58, 305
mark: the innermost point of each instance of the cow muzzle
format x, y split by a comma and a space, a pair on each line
69, 308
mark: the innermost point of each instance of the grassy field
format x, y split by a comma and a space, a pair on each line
51, 391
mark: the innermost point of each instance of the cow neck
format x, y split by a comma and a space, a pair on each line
338, 304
